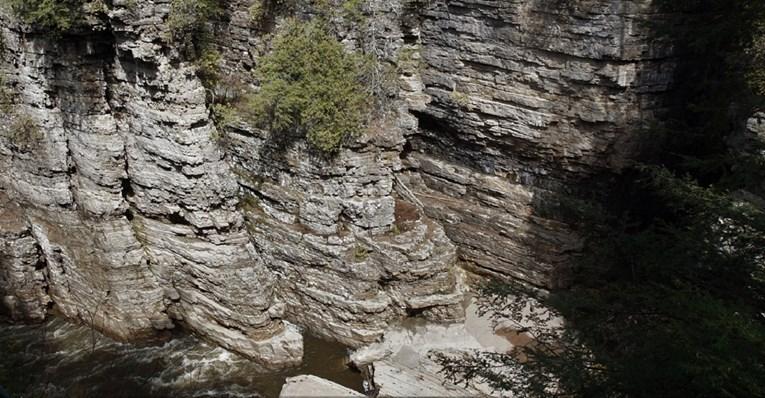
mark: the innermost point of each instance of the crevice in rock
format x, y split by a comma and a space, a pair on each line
129, 214
407, 150
416, 312
177, 218
199, 124
127, 189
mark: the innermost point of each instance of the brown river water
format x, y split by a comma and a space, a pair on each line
57, 359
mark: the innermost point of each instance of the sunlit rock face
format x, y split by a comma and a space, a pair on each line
129, 210
349, 256
67, 173
126, 192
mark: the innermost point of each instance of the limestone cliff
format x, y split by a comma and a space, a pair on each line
128, 209
527, 99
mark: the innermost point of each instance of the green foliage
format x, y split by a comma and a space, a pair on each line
381, 81
756, 51
225, 115
461, 99
6, 97
352, 12
666, 302
408, 60
257, 11
261, 10
311, 87
360, 253
188, 22
131, 5
208, 66
395, 230
96, 7
57, 16
21, 130
715, 43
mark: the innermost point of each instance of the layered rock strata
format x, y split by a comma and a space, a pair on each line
526, 100
126, 192
124, 204
23, 283
136, 214
349, 256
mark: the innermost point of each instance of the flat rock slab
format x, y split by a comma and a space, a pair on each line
402, 362
395, 380
410, 344
312, 386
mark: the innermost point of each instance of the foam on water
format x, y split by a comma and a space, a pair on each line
57, 359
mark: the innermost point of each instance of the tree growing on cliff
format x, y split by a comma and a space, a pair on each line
188, 23
54, 15
311, 87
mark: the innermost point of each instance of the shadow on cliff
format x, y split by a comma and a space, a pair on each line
553, 172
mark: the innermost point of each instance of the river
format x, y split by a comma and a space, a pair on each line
57, 359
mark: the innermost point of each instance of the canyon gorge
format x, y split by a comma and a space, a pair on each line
125, 205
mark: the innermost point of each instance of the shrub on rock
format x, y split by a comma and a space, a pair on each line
311, 87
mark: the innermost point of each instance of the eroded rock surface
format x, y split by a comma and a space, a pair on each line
124, 204
23, 283
126, 192
144, 218
349, 256
526, 99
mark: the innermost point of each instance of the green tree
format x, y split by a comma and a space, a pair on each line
55, 15
189, 21
311, 87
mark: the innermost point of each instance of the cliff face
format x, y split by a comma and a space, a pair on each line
527, 100
129, 210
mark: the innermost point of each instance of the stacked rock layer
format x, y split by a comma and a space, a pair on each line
123, 206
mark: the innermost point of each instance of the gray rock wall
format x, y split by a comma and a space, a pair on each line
132, 212
349, 254
127, 193
525, 100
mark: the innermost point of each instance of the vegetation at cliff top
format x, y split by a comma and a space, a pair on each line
667, 299
54, 15
188, 22
311, 87
349, 10
261, 9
